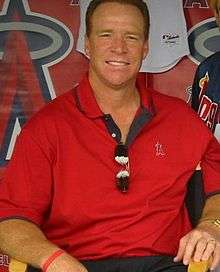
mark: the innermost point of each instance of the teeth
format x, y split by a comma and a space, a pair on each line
117, 63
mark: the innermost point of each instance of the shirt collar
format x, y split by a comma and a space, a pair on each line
87, 103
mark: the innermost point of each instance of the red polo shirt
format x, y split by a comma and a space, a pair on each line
62, 175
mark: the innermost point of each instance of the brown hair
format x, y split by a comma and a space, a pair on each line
141, 5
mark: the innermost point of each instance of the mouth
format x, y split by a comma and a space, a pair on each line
118, 63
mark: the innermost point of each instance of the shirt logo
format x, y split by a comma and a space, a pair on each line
171, 39
159, 150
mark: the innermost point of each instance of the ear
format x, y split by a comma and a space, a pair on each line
145, 49
87, 46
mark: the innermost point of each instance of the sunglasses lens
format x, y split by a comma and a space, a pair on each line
122, 184
121, 151
122, 178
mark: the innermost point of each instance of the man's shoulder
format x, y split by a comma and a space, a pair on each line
58, 104
174, 108
65, 99
180, 114
53, 111
163, 100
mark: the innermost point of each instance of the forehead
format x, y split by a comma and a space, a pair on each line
113, 13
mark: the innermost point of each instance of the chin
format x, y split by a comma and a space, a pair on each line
118, 82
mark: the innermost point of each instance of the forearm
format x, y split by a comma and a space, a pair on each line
211, 209
24, 241
210, 213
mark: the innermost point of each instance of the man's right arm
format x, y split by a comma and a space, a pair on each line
24, 241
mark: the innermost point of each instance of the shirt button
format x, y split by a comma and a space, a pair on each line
113, 135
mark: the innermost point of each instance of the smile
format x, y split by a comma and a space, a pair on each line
117, 63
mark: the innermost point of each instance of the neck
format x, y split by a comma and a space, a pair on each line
114, 99
121, 102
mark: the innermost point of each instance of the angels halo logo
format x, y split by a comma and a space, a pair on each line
30, 43
204, 40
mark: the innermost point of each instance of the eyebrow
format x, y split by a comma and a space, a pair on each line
136, 33
103, 30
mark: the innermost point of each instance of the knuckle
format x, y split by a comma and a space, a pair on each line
190, 248
202, 241
182, 240
218, 245
197, 233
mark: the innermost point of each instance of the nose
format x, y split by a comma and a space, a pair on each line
119, 45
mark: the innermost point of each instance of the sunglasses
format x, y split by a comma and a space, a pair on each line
122, 177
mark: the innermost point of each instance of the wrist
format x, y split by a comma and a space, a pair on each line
210, 226
211, 222
51, 259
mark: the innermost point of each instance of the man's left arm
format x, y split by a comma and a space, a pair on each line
203, 241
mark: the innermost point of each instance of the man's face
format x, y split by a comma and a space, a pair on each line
116, 45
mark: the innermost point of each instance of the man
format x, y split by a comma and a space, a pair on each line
205, 91
98, 177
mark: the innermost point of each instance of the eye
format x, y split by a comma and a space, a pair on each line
132, 37
105, 34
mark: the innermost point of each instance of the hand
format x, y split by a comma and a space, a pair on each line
200, 244
66, 263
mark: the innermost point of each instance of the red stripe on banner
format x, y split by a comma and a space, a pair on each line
28, 87
8, 82
22, 81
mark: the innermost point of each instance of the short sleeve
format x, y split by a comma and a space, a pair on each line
211, 167
25, 190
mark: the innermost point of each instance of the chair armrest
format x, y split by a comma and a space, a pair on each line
17, 266
202, 266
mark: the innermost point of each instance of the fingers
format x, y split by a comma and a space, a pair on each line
182, 247
187, 247
206, 249
203, 251
209, 251
199, 246
191, 248
216, 258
